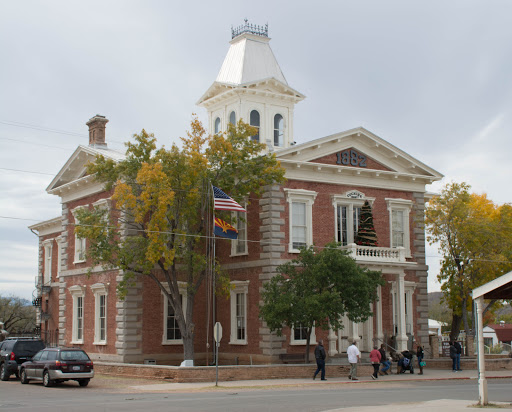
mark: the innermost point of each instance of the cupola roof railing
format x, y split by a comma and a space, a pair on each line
249, 28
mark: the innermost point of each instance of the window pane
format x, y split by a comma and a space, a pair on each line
342, 224
102, 318
241, 226
173, 330
232, 118
240, 316
255, 122
299, 333
357, 216
79, 317
397, 225
217, 125
278, 130
299, 228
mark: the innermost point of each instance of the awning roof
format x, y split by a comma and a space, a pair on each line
500, 288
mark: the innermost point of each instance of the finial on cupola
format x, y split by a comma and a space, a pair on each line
249, 28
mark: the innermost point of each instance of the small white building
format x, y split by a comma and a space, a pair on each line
434, 327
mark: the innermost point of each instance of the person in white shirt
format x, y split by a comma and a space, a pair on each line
353, 358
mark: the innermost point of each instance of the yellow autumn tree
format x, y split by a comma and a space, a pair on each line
158, 224
475, 238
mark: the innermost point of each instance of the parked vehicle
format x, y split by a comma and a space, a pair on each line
56, 365
14, 351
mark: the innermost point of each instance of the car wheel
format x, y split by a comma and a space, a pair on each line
3, 372
23, 376
46, 379
83, 382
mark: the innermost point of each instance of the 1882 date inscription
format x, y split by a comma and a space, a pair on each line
351, 158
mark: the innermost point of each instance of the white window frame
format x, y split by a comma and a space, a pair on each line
405, 206
350, 199
238, 287
80, 243
298, 342
229, 118
240, 225
308, 198
103, 204
183, 292
99, 290
281, 142
259, 139
409, 309
77, 292
216, 129
47, 268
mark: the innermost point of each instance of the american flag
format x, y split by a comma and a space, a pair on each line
221, 201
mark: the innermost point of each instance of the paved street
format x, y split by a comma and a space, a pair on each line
432, 391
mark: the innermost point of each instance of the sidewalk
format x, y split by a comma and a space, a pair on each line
429, 375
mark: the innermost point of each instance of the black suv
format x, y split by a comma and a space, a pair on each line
15, 351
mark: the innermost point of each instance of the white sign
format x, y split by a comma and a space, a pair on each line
217, 332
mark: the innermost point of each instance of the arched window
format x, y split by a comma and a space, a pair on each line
255, 122
278, 130
217, 125
232, 118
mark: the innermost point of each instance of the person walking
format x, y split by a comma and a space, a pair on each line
320, 359
384, 360
353, 358
457, 355
453, 355
375, 357
419, 355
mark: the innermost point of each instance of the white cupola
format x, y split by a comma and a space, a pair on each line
251, 86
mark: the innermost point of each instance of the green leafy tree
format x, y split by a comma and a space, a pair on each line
17, 314
161, 209
475, 238
317, 289
366, 235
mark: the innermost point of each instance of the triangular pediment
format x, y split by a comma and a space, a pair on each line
352, 157
75, 168
358, 149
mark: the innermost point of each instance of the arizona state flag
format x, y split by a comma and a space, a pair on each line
224, 229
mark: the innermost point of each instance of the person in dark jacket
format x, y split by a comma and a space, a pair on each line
320, 359
419, 355
453, 355
457, 355
384, 360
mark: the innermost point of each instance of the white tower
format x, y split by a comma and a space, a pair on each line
251, 86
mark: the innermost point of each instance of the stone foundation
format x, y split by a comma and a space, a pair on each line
278, 371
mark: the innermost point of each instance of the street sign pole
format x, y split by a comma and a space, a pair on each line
216, 363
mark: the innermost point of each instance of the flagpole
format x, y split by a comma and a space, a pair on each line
215, 353
208, 270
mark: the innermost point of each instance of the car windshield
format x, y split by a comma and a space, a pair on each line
73, 355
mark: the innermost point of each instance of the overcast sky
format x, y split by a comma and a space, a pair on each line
431, 77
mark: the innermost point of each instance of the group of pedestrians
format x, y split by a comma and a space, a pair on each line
377, 357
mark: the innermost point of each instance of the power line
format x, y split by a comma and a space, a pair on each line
35, 144
27, 171
51, 130
200, 192
211, 237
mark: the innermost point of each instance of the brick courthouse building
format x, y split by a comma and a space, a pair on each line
328, 180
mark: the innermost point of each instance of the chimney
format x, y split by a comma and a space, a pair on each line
97, 131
